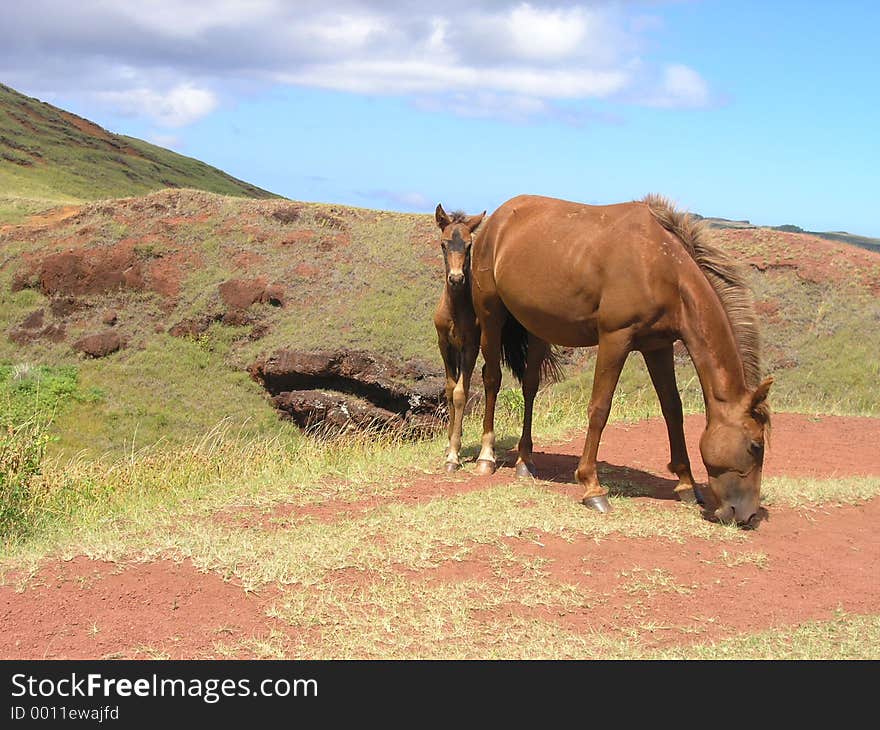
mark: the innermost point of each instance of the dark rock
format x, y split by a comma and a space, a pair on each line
274, 295
110, 317
237, 318
287, 214
330, 221
23, 280
242, 293
63, 306
328, 411
34, 320
99, 344
89, 271
51, 332
194, 326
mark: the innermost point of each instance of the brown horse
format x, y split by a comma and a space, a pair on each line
458, 333
632, 276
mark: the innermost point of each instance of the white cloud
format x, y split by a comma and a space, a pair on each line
177, 107
548, 34
407, 77
163, 60
680, 86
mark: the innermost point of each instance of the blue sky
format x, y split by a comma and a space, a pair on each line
760, 110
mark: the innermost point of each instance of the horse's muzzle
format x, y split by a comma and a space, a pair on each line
740, 513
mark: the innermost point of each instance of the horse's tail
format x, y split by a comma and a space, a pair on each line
515, 352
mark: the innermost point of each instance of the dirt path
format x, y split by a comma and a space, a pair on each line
799, 565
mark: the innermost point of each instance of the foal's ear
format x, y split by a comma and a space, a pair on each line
440, 216
474, 221
758, 401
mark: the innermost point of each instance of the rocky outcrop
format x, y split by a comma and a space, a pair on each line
350, 389
33, 328
241, 293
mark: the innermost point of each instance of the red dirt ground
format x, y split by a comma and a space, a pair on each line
810, 562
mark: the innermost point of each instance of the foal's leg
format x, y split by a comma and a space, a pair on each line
449, 353
467, 359
538, 350
613, 349
662, 371
490, 344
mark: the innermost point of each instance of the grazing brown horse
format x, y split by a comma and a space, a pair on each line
632, 276
458, 333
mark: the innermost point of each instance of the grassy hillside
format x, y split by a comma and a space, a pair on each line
348, 277
47, 153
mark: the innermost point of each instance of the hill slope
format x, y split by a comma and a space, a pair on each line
198, 286
872, 244
48, 153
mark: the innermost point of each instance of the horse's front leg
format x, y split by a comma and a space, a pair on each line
661, 368
490, 345
613, 349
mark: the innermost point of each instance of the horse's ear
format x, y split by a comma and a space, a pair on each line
758, 401
474, 221
441, 217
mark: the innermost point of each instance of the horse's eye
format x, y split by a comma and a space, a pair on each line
756, 448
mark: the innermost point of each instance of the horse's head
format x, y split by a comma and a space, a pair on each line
456, 237
733, 452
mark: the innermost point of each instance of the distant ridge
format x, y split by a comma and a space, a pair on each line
871, 244
46, 152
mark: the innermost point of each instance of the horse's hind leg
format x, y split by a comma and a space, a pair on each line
490, 345
538, 351
661, 368
613, 349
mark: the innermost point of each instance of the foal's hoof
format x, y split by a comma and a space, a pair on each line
600, 504
485, 467
451, 467
524, 470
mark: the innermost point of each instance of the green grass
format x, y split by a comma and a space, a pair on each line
28, 391
15, 209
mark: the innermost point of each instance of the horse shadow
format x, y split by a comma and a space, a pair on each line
621, 481
559, 469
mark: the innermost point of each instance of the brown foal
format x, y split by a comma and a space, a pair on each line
458, 333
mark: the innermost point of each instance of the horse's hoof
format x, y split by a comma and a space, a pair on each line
524, 470
451, 467
687, 495
600, 504
485, 467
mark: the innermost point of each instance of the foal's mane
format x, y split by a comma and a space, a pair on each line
727, 277
458, 216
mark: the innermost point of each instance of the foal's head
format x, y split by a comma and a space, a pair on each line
456, 237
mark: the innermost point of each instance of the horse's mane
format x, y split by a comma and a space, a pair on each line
458, 216
727, 277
